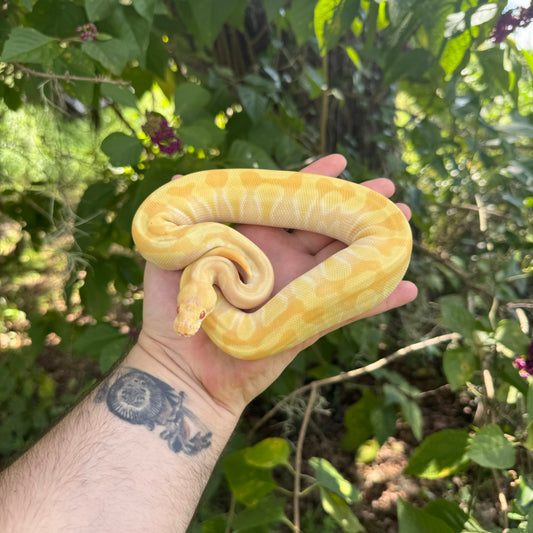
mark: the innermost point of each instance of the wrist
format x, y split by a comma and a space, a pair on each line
151, 357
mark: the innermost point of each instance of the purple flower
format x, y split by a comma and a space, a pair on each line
161, 134
510, 20
87, 31
524, 365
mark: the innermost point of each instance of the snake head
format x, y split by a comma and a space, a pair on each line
189, 319
195, 302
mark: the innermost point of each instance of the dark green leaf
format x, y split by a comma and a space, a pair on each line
253, 102
441, 454
490, 448
120, 95
210, 18
248, 484
202, 134
247, 155
59, 18
190, 98
24, 44
112, 54
413, 520
454, 516
269, 510
122, 150
357, 420
300, 15
99, 9
456, 316
100, 338
145, 8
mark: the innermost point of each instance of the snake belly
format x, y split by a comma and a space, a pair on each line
185, 218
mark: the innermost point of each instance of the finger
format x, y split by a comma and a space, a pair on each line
404, 293
331, 165
383, 186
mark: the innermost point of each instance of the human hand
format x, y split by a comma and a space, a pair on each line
231, 382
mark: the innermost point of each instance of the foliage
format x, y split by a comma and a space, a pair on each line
410, 90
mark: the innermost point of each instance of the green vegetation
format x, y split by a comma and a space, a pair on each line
102, 102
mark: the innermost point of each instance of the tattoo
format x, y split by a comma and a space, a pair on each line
142, 399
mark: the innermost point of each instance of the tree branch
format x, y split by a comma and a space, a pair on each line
355, 373
67, 76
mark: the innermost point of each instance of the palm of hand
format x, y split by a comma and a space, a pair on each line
229, 381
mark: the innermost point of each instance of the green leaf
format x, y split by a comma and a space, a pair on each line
190, 97
122, 150
112, 54
511, 336
357, 421
267, 511
93, 294
508, 373
410, 410
120, 95
490, 448
441, 454
102, 342
412, 64
249, 484
300, 16
253, 102
244, 154
483, 14
454, 52
459, 365
145, 8
328, 477
210, 17
530, 403
456, 316
268, 453
99, 9
413, 520
202, 134
454, 516
340, 511
332, 19
24, 44
529, 59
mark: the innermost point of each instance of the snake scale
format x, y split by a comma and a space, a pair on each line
183, 225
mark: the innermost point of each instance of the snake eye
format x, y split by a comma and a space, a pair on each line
202, 315
178, 310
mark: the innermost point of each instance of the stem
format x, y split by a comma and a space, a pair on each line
298, 459
355, 373
325, 108
67, 76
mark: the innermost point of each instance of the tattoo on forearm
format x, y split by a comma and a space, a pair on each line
139, 398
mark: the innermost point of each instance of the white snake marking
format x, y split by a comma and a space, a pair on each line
181, 226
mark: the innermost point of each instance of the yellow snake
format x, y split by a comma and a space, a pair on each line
182, 225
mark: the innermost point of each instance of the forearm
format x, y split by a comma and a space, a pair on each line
135, 455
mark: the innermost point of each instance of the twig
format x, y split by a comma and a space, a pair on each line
68, 77
298, 458
461, 274
324, 115
356, 372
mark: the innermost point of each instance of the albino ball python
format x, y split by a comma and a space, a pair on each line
180, 226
